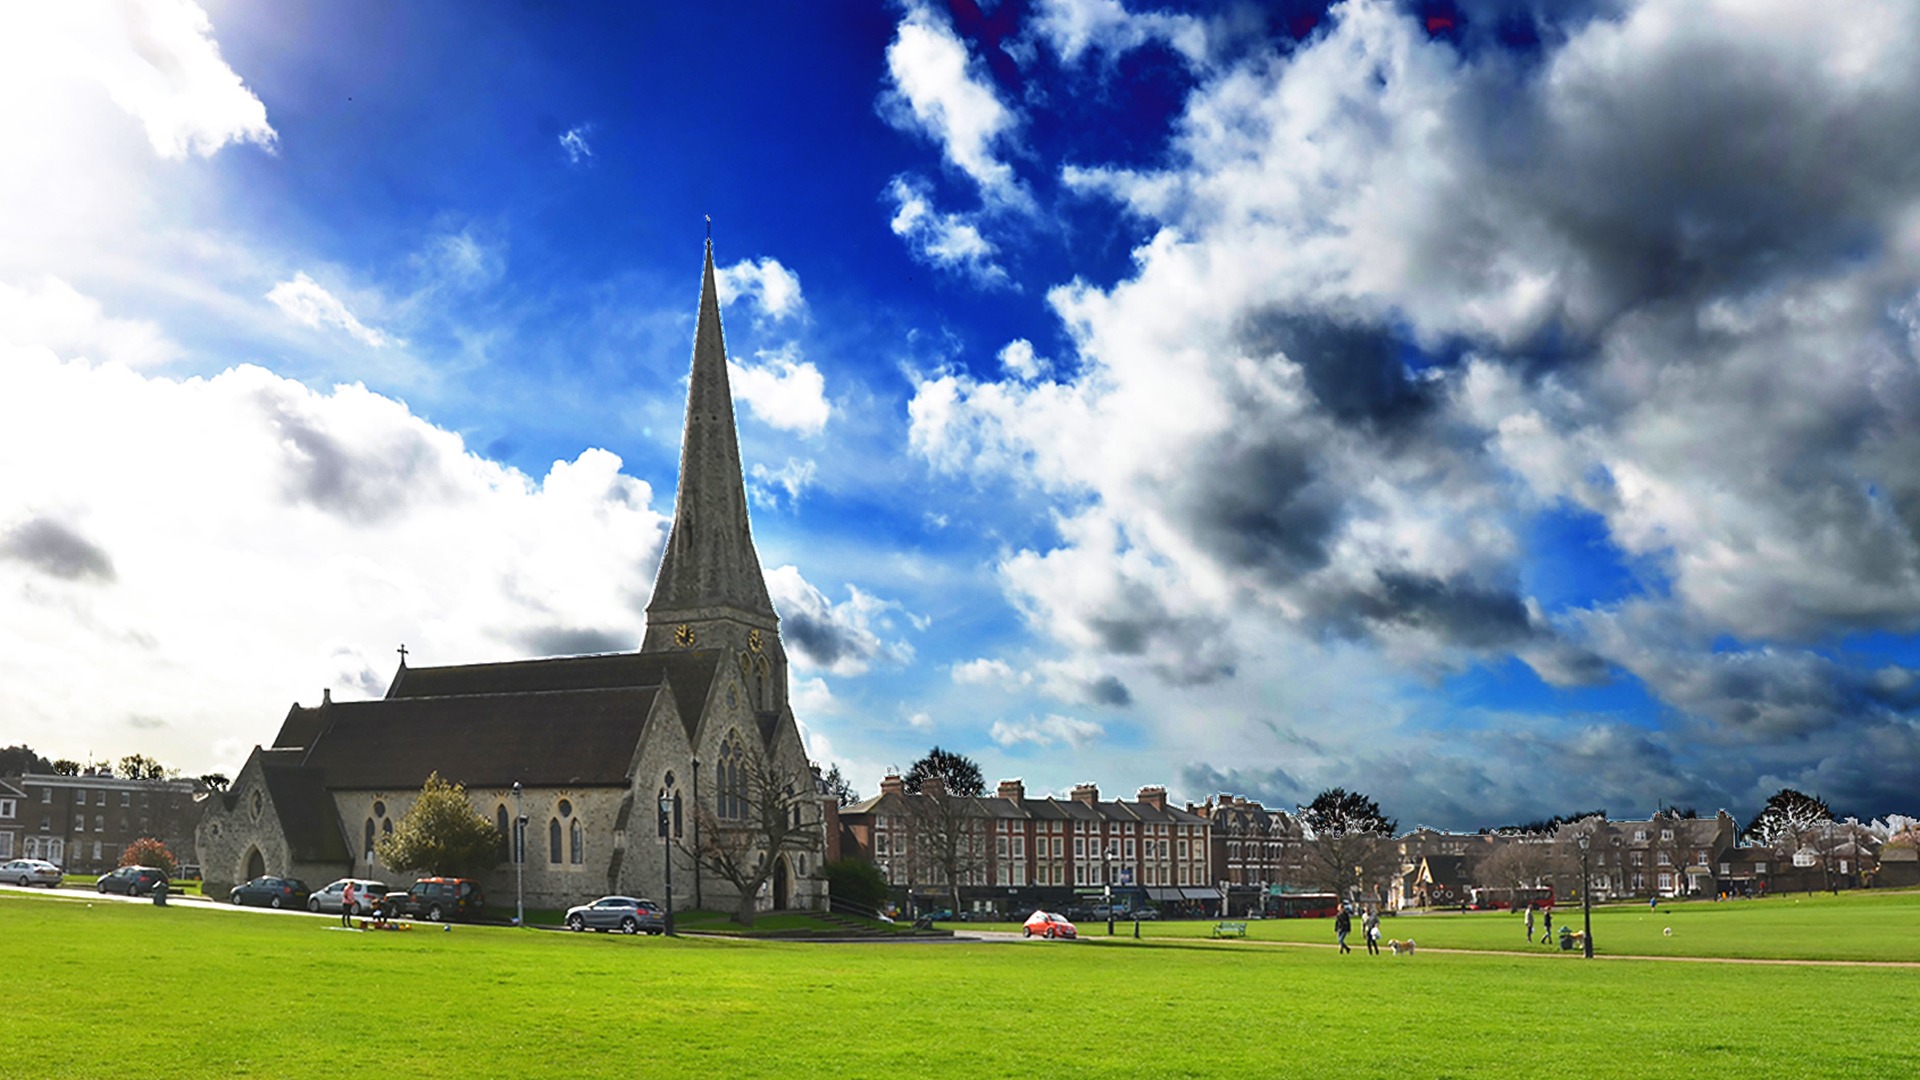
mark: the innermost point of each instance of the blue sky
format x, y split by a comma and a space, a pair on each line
1503, 409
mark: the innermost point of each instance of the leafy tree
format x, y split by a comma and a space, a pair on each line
957, 773
20, 760
839, 786
148, 851
1546, 826
66, 767
1788, 816
215, 781
441, 834
1350, 842
779, 812
856, 881
142, 767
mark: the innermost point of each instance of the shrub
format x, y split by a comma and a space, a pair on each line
147, 851
856, 881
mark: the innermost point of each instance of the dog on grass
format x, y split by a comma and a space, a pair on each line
1401, 948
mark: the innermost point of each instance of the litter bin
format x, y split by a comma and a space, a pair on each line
160, 895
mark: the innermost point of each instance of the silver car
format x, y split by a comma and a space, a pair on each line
365, 895
623, 913
31, 872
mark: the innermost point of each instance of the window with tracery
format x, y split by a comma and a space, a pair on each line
553, 840
576, 843
730, 779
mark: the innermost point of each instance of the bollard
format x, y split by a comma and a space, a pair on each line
160, 895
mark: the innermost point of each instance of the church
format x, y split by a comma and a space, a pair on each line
593, 742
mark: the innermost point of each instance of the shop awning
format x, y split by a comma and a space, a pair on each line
1200, 894
1164, 894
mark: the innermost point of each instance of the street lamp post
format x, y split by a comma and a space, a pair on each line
1109, 892
519, 831
1586, 898
698, 903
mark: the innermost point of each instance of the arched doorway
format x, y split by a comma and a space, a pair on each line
256, 864
781, 886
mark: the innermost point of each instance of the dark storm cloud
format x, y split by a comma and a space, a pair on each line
821, 640
574, 641
1273, 788
1257, 499
1108, 690
1355, 370
57, 550
358, 482
1454, 610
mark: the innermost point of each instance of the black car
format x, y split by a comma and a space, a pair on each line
439, 898
131, 880
270, 891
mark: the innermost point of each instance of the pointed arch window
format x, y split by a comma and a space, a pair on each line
553, 840
500, 826
576, 843
369, 849
730, 779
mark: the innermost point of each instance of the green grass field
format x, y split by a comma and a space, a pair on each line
192, 990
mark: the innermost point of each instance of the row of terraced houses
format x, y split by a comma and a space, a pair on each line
1231, 855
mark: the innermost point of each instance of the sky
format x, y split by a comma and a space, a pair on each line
1500, 408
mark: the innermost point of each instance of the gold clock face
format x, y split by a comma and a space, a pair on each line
683, 635
753, 640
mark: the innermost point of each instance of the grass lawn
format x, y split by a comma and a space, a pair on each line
199, 991
1874, 924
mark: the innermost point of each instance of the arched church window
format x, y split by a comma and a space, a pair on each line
576, 843
553, 840
258, 802
379, 808
731, 777
566, 808
500, 825
369, 849
386, 827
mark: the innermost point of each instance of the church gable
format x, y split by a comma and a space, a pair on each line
689, 670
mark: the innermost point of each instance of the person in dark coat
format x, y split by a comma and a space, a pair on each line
1342, 926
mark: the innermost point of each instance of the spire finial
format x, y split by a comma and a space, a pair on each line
403, 654
709, 228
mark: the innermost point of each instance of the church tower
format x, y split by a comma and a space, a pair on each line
710, 593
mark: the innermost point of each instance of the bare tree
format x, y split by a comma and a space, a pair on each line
1349, 842
1515, 865
773, 812
949, 835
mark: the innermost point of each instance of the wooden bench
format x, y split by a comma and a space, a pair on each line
1230, 929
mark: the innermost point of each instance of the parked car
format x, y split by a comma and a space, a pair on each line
623, 913
270, 891
1048, 925
439, 898
131, 880
366, 895
31, 872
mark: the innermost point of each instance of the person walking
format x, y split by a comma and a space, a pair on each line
1370, 927
346, 905
1546, 932
1342, 926
1529, 924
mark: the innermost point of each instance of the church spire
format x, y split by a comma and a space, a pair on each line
709, 569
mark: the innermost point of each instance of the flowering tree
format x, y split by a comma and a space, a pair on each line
148, 851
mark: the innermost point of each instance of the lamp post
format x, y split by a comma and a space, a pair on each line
519, 831
666, 852
1586, 898
698, 903
1109, 891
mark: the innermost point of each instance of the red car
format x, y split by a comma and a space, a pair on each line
1048, 925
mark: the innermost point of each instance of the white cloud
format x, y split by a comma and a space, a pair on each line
308, 303
1019, 360
574, 143
783, 392
156, 59
793, 478
1047, 731
843, 639
1073, 27
331, 526
773, 289
984, 671
53, 314
920, 721
947, 241
941, 92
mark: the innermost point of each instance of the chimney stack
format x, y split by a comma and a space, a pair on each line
1155, 797
1086, 793
891, 784
1013, 789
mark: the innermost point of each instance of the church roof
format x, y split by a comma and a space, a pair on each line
690, 672
709, 561
306, 811
583, 738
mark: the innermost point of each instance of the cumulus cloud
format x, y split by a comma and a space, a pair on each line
951, 242
783, 391
1073, 28
1020, 361
773, 289
156, 59
181, 509
1399, 299
791, 479
936, 89
52, 314
308, 303
1045, 731
842, 639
